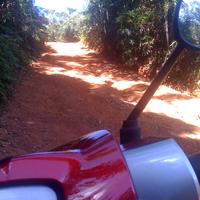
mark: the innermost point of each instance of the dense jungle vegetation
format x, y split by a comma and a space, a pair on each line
22, 36
139, 32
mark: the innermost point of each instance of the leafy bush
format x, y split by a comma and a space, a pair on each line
63, 27
22, 36
140, 32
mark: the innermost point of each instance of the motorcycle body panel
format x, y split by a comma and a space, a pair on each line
91, 167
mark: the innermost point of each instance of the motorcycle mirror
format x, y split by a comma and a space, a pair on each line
187, 24
186, 27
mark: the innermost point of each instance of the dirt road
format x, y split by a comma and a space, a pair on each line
72, 91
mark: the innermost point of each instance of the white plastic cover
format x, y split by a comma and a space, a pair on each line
32, 192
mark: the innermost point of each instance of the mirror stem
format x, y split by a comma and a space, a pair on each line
130, 130
164, 71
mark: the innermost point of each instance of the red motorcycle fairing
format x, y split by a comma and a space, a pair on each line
91, 167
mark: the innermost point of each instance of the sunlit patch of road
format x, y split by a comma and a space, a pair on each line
166, 101
70, 49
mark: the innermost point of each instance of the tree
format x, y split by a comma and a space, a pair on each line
140, 32
22, 35
63, 27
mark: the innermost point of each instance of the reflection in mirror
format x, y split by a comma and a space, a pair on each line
189, 21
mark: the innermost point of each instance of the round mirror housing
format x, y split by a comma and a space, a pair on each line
186, 24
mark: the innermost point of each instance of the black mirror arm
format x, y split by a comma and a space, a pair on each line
164, 71
130, 130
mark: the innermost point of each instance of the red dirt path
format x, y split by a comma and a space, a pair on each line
72, 91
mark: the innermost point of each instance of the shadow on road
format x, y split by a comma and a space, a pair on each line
65, 97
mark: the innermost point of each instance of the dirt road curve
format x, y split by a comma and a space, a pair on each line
72, 91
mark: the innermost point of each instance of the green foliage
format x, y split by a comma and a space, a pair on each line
22, 35
63, 27
140, 32
100, 27
188, 66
